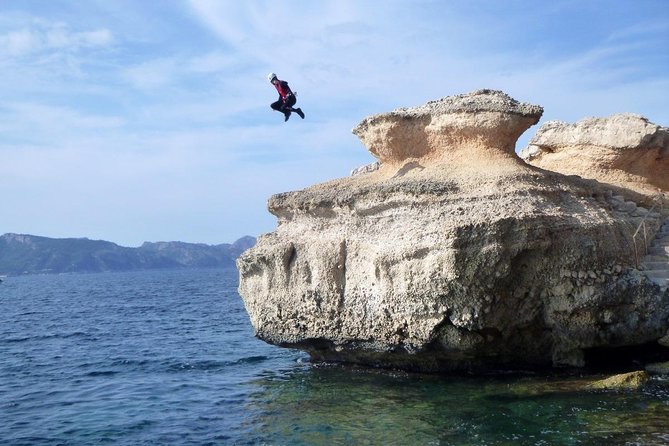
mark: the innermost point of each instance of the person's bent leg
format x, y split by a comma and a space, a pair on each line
286, 107
290, 101
278, 105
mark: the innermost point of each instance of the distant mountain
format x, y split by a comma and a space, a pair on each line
30, 254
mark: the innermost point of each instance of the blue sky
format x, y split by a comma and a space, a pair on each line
136, 121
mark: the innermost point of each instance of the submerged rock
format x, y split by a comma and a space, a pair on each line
454, 254
625, 381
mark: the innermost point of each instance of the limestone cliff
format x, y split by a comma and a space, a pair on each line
454, 254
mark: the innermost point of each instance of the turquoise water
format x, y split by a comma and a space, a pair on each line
169, 357
343, 406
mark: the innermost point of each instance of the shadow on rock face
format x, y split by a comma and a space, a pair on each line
408, 167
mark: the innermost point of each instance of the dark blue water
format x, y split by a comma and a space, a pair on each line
169, 358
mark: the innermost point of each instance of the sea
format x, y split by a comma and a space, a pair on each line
169, 357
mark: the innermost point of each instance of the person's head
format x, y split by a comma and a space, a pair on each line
272, 78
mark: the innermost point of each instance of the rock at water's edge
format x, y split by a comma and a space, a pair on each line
625, 381
453, 255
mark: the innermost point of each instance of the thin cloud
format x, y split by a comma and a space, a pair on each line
49, 125
44, 36
152, 75
19, 42
267, 30
655, 30
213, 62
157, 122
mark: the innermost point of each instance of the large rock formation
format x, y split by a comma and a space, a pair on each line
454, 254
624, 150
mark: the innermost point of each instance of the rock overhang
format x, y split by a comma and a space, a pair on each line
477, 101
483, 120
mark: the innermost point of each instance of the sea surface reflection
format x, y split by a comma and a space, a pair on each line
343, 405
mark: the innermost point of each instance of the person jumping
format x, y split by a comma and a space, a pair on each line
286, 98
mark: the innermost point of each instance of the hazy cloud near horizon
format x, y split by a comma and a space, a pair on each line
133, 121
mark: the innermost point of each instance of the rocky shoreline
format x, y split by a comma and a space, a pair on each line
454, 254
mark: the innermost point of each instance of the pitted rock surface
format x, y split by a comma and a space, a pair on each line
475, 102
625, 150
451, 127
460, 257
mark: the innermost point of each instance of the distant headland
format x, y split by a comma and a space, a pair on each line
30, 254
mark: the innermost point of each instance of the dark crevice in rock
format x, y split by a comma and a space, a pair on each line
624, 359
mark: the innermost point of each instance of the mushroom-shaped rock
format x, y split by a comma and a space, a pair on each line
484, 123
454, 255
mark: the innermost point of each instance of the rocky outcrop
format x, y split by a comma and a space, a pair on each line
444, 129
623, 150
369, 168
454, 254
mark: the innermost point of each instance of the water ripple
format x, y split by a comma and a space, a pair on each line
169, 357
